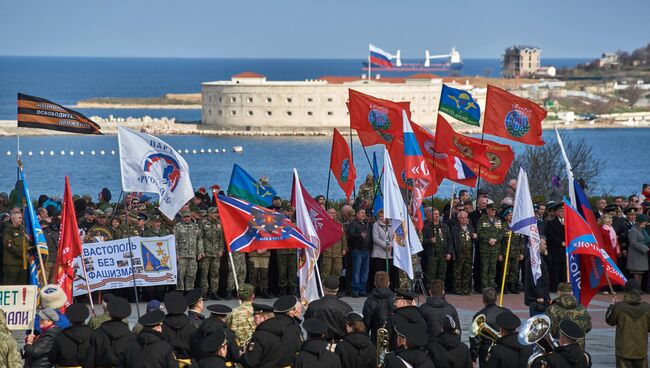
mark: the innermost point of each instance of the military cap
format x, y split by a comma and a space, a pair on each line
107, 297
564, 287
118, 308
261, 308
490, 206
571, 329
152, 319
77, 312
415, 334
331, 283
186, 213
193, 296
353, 317
89, 211
175, 303
219, 309
156, 217
557, 206
483, 191
641, 218
284, 304
508, 320
48, 314
246, 291
142, 216
505, 211
213, 210
213, 342
550, 205
314, 326
100, 213
629, 211
404, 294
611, 208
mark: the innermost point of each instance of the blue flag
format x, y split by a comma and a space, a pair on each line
244, 186
35, 233
378, 202
460, 105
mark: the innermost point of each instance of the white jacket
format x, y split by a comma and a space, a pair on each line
379, 239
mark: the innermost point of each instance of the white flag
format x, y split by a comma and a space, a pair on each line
307, 257
567, 166
405, 240
150, 165
524, 222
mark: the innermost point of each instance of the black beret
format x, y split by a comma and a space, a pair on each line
213, 341
404, 294
352, 317
571, 329
261, 308
118, 308
175, 303
219, 309
314, 326
77, 313
508, 320
193, 296
415, 334
331, 283
152, 319
284, 304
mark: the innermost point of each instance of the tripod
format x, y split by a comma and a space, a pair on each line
418, 277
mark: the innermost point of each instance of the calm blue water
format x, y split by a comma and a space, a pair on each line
67, 80
275, 157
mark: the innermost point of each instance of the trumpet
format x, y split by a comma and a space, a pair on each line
536, 331
382, 346
481, 328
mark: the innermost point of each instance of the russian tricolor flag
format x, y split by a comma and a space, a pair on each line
380, 57
461, 170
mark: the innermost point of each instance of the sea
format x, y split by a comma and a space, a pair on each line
67, 80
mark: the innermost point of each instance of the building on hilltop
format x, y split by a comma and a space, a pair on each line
248, 102
608, 60
520, 61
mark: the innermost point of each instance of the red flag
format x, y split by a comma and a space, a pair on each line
377, 121
513, 117
456, 144
500, 157
341, 164
328, 230
69, 244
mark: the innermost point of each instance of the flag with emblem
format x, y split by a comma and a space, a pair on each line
460, 105
69, 244
37, 255
341, 164
513, 117
37, 112
416, 169
150, 165
456, 144
377, 121
500, 157
243, 185
248, 227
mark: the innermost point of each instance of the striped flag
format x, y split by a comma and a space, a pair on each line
416, 168
36, 112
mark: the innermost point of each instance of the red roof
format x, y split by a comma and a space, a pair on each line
422, 76
248, 75
332, 79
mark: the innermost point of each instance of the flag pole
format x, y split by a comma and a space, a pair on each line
135, 286
354, 189
327, 192
505, 270
38, 252
453, 196
369, 66
318, 280
234, 271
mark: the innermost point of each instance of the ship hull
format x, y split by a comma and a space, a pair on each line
415, 67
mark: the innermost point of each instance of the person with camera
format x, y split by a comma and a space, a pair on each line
537, 294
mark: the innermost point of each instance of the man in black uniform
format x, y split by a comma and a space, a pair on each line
71, 345
275, 340
108, 343
356, 350
216, 322
313, 352
411, 338
479, 346
436, 308
569, 354
151, 350
214, 348
194, 299
507, 352
554, 233
331, 310
177, 328
405, 312
447, 350
378, 306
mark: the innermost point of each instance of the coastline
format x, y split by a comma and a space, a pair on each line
99, 105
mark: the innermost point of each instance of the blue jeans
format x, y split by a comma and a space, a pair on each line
360, 267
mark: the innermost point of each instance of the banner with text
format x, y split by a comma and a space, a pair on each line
17, 301
111, 264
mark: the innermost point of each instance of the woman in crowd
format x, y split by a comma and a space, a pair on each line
382, 249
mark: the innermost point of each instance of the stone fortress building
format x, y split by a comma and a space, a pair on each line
248, 102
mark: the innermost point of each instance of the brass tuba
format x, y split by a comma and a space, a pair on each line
536, 331
481, 328
382, 346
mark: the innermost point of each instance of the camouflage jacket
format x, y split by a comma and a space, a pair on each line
15, 243
240, 321
566, 306
487, 229
631, 318
212, 233
152, 233
517, 243
9, 355
189, 242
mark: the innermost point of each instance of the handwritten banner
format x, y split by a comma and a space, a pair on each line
18, 302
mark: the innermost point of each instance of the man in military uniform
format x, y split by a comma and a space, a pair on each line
566, 306
239, 259
109, 342
150, 344
100, 231
189, 249
331, 260
71, 345
216, 322
241, 320
215, 347
507, 352
435, 240
14, 260
213, 246
461, 250
177, 327
258, 266
9, 352
367, 190
569, 354
490, 234
155, 228
516, 253
287, 262
411, 340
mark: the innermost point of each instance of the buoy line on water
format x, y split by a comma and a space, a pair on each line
186, 151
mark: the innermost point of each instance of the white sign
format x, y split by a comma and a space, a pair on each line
112, 264
18, 302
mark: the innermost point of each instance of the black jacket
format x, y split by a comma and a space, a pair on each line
478, 345
274, 343
555, 236
508, 353
332, 311
415, 357
314, 354
150, 351
355, 241
37, 354
434, 312
447, 350
356, 351
71, 346
195, 318
542, 289
409, 314
177, 330
108, 344
569, 356
209, 326
376, 310
212, 361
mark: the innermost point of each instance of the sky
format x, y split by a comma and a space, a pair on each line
318, 29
